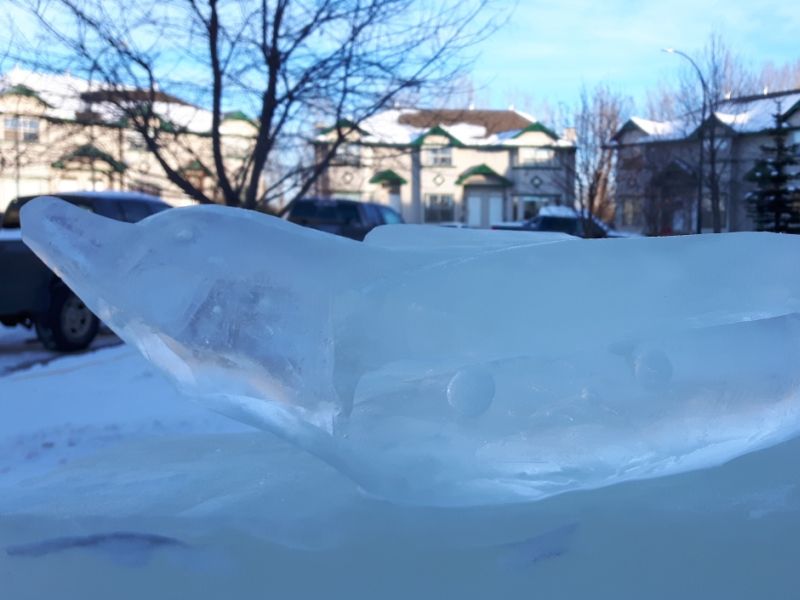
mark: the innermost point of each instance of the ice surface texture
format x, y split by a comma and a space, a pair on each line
451, 367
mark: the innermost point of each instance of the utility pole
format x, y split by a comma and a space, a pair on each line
701, 134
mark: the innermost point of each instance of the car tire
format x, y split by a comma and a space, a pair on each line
68, 325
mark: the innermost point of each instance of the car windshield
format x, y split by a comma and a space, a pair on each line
390, 216
563, 224
324, 213
134, 210
11, 216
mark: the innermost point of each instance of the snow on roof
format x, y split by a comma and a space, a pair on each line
405, 126
68, 97
654, 127
749, 114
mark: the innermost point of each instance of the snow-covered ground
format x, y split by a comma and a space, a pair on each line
113, 485
56, 407
19, 348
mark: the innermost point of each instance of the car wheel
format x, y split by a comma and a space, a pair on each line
68, 325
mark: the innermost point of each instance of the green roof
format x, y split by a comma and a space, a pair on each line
88, 152
438, 130
196, 165
537, 127
237, 115
164, 124
343, 124
388, 176
23, 90
483, 170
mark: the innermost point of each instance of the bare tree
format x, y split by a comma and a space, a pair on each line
592, 120
599, 114
775, 78
285, 62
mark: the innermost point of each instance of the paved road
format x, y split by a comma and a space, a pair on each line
19, 348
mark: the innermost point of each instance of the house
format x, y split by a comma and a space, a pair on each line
459, 165
61, 133
658, 163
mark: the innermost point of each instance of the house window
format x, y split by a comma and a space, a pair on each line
630, 212
536, 156
136, 141
440, 156
439, 208
21, 129
348, 154
196, 178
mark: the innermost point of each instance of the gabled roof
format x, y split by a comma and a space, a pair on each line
471, 128
343, 124
71, 98
537, 127
196, 166
237, 115
23, 90
388, 177
483, 170
437, 130
746, 114
89, 153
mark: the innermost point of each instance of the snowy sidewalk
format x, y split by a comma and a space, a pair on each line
55, 407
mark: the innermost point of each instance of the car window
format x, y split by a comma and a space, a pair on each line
373, 215
390, 216
157, 207
324, 213
106, 208
594, 229
11, 216
135, 211
562, 224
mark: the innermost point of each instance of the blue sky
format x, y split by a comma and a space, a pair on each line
548, 49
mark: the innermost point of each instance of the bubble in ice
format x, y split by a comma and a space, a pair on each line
470, 391
454, 367
653, 368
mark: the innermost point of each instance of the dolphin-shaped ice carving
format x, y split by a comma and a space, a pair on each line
494, 369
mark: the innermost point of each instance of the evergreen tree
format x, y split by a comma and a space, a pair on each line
775, 204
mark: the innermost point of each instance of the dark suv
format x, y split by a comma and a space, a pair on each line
32, 295
349, 218
562, 219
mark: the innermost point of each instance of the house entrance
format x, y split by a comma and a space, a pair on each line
484, 207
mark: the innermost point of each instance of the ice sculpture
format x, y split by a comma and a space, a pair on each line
447, 367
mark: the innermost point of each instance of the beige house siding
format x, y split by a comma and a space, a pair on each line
42, 165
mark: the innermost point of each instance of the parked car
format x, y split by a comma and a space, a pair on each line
33, 296
565, 220
349, 218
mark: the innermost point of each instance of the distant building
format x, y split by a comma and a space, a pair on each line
60, 133
657, 164
471, 166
